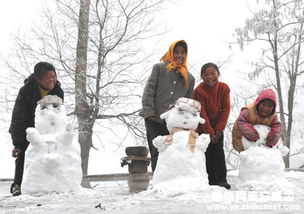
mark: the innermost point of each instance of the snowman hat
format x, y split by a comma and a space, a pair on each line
187, 104
50, 99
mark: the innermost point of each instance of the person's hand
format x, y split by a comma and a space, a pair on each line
272, 139
16, 152
218, 134
255, 139
213, 139
270, 142
151, 118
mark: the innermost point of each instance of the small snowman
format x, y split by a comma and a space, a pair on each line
52, 162
261, 167
181, 160
261, 142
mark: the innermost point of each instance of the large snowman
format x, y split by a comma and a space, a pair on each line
181, 160
262, 167
52, 161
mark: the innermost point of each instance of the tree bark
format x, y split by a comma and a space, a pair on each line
85, 141
82, 108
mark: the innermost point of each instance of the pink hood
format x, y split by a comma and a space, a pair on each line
266, 94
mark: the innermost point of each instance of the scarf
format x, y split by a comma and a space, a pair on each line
182, 69
191, 141
43, 92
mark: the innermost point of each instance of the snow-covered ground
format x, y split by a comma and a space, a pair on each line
114, 197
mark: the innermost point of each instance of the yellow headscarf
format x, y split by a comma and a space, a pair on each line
182, 69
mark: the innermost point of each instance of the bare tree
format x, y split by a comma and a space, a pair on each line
108, 54
82, 108
279, 25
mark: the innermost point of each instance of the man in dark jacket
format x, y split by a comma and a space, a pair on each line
39, 84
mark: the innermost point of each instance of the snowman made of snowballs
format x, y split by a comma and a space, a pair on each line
52, 162
182, 152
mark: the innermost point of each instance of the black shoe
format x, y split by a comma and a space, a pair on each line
15, 190
226, 185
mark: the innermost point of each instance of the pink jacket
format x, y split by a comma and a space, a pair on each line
249, 117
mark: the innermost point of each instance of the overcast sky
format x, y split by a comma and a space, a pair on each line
206, 25
15, 14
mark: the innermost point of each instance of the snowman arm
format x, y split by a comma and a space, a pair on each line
202, 142
159, 143
246, 128
33, 136
69, 127
66, 135
274, 133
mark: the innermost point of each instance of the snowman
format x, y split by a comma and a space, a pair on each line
52, 162
261, 167
181, 161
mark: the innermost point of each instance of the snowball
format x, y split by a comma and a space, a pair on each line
263, 132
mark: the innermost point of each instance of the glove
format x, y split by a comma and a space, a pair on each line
16, 152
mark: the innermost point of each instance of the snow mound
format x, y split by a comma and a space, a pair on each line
261, 167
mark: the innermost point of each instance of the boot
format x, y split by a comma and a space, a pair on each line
224, 184
15, 190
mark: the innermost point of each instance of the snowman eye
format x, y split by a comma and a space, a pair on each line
55, 105
180, 111
42, 107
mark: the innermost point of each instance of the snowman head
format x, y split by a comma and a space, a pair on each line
50, 115
185, 113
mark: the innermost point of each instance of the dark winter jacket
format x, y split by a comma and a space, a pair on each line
24, 110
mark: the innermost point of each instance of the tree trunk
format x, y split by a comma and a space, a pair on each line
85, 141
82, 108
285, 137
279, 91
